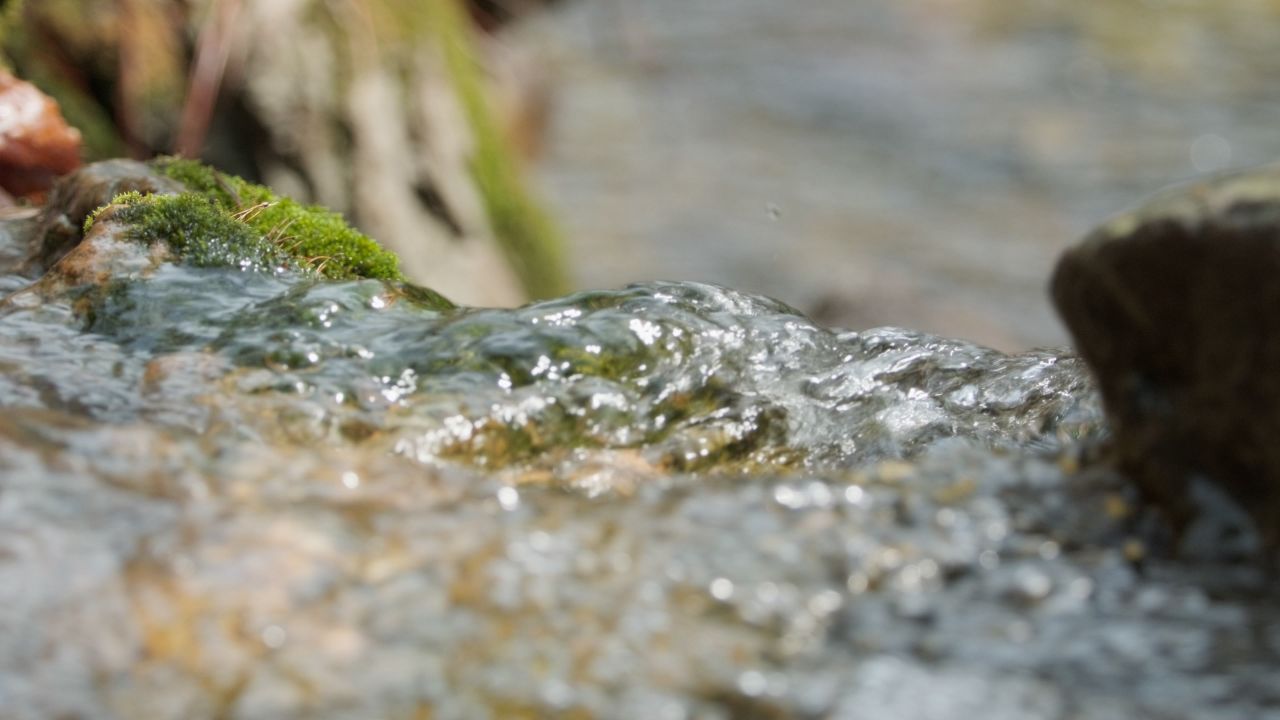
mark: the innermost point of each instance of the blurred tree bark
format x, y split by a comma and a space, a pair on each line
379, 109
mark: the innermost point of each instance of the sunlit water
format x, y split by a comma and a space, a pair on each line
918, 163
229, 494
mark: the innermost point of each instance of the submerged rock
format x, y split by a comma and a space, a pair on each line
228, 492
1176, 306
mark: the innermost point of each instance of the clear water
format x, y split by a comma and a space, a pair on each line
229, 494
918, 163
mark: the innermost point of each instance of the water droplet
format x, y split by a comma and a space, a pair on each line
787, 497
819, 495
722, 589
1210, 153
996, 531
945, 518
768, 593
1031, 585
540, 541
1049, 550
858, 583
1080, 588
854, 495
508, 498
752, 683
557, 694
825, 603
350, 480
274, 636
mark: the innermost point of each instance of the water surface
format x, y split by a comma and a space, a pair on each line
917, 163
247, 495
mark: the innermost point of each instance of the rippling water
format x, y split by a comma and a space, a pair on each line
917, 163
228, 494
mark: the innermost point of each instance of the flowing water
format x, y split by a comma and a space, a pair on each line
253, 495
919, 163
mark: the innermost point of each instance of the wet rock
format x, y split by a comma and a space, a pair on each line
107, 255
1176, 307
77, 196
184, 211
17, 230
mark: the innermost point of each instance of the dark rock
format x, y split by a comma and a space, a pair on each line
1176, 307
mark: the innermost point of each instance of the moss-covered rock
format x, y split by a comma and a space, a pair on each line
198, 232
316, 238
193, 214
75, 198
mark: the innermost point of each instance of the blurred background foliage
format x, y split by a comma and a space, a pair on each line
386, 110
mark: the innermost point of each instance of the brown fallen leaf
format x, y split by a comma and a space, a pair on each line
36, 144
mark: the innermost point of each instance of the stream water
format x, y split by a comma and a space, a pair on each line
230, 494
918, 163
252, 495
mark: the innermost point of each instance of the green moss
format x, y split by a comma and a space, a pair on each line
128, 198
317, 238
226, 221
529, 238
198, 231
10, 18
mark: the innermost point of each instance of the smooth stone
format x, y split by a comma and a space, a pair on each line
1176, 308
